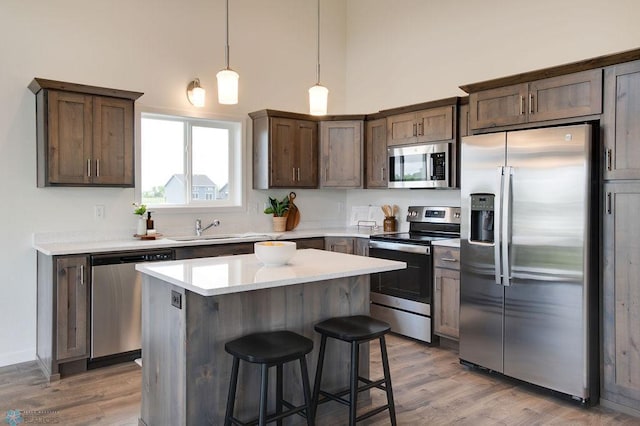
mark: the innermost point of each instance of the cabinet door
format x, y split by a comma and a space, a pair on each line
309, 243
70, 138
72, 296
113, 141
307, 154
282, 152
463, 121
447, 302
435, 124
621, 295
571, 95
498, 107
621, 123
376, 174
341, 154
361, 247
401, 129
339, 244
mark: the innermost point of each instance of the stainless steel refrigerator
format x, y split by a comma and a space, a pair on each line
529, 268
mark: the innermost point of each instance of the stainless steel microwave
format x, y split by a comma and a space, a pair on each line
420, 166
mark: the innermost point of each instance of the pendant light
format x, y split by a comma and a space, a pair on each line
318, 94
227, 78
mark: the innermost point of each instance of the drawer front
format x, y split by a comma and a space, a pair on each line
446, 257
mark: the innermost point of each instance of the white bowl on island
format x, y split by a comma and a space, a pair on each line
274, 253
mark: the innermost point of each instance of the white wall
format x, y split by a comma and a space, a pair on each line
376, 54
403, 52
155, 47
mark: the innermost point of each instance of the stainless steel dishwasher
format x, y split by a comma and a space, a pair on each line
116, 302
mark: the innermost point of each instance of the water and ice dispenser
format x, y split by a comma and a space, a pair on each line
482, 208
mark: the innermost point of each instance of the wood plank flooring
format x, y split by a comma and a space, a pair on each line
430, 386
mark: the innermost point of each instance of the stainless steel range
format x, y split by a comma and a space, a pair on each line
403, 298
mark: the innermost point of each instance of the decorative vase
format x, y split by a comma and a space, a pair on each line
389, 224
142, 226
279, 223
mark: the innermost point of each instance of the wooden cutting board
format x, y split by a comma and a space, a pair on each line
293, 215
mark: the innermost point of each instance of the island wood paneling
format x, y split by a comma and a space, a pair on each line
186, 370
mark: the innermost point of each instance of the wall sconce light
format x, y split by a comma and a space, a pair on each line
195, 93
318, 94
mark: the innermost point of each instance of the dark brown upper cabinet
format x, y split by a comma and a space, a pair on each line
85, 134
621, 121
571, 95
285, 150
429, 125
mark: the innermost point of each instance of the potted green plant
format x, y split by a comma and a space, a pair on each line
279, 211
139, 210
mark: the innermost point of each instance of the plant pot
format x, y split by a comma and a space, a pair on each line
279, 224
142, 226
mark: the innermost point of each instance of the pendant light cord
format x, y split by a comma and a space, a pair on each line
226, 49
318, 47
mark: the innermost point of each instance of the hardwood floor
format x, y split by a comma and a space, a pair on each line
430, 387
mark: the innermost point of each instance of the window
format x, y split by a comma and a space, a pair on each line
190, 162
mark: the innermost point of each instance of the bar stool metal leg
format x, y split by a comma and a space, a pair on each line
279, 392
231, 398
264, 388
318, 378
355, 367
387, 375
306, 389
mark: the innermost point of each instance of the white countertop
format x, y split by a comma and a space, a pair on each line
102, 246
452, 242
232, 274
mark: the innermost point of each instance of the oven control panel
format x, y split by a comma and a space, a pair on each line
433, 214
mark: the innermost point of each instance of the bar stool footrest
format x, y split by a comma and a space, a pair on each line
273, 416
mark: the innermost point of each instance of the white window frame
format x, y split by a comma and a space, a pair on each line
237, 154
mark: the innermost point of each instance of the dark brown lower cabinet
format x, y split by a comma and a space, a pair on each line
446, 295
63, 314
621, 295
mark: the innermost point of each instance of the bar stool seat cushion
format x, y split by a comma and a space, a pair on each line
353, 328
273, 347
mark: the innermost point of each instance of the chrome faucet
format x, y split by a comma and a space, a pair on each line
200, 229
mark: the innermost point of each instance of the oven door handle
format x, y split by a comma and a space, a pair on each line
407, 248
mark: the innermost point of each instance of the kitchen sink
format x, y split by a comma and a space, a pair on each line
203, 237
222, 237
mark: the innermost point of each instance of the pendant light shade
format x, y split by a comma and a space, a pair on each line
227, 86
227, 78
318, 94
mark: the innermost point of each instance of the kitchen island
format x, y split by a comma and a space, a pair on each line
191, 308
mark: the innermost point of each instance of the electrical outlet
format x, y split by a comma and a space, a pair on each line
176, 299
98, 212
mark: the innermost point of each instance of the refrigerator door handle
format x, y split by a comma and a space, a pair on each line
506, 220
497, 217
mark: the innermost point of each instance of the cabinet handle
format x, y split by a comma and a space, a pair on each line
609, 159
415, 129
88, 167
81, 274
420, 130
531, 99
521, 105
448, 259
609, 208
298, 174
293, 174
381, 173
98, 168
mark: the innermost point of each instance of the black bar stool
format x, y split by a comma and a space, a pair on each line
270, 349
355, 330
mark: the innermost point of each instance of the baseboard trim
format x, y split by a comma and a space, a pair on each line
10, 358
619, 407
